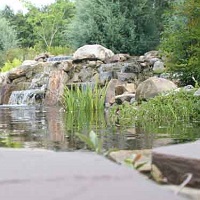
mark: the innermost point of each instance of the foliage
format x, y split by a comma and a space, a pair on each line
176, 106
164, 109
85, 110
49, 22
132, 161
10, 65
117, 24
60, 50
9, 142
181, 40
92, 141
98, 22
86, 97
8, 37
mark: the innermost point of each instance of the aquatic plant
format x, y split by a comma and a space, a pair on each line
84, 97
92, 141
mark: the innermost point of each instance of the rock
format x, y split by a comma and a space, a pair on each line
24, 70
151, 54
157, 175
56, 85
92, 63
153, 60
6, 91
19, 80
125, 92
152, 87
197, 93
130, 87
110, 92
92, 52
19, 72
177, 162
127, 77
67, 66
188, 87
75, 78
132, 67
105, 77
39, 81
85, 75
29, 62
42, 57
119, 58
120, 89
136, 156
124, 97
95, 78
4, 78
109, 67
158, 67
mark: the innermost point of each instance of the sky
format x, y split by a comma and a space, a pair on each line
16, 5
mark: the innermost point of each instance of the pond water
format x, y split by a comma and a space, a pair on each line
52, 128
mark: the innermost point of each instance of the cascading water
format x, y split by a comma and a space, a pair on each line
27, 97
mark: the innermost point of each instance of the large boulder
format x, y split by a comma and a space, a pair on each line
152, 87
93, 52
56, 85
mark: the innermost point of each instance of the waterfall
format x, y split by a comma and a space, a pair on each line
27, 97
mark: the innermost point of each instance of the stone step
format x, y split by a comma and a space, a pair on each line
42, 175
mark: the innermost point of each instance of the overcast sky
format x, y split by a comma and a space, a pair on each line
16, 5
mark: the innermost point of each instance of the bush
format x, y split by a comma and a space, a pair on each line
164, 109
181, 40
10, 65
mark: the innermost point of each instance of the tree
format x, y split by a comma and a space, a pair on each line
101, 22
8, 35
25, 35
129, 26
48, 22
181, 40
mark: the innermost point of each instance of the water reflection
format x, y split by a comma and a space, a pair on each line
51, 128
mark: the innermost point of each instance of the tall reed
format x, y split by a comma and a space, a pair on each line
87, 97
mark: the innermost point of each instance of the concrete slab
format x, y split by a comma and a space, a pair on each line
42, 175
177, 162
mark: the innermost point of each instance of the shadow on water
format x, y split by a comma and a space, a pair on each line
51, 128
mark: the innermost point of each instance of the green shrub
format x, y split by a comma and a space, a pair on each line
181, 40
10, 65
163, 109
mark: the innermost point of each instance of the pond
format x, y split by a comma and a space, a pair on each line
52, 128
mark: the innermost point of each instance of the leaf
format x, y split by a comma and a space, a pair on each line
93, 138
86, 140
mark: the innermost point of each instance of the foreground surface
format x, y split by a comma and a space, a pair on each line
38, 174
177, 162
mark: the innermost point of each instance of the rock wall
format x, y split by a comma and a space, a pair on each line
100, 67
